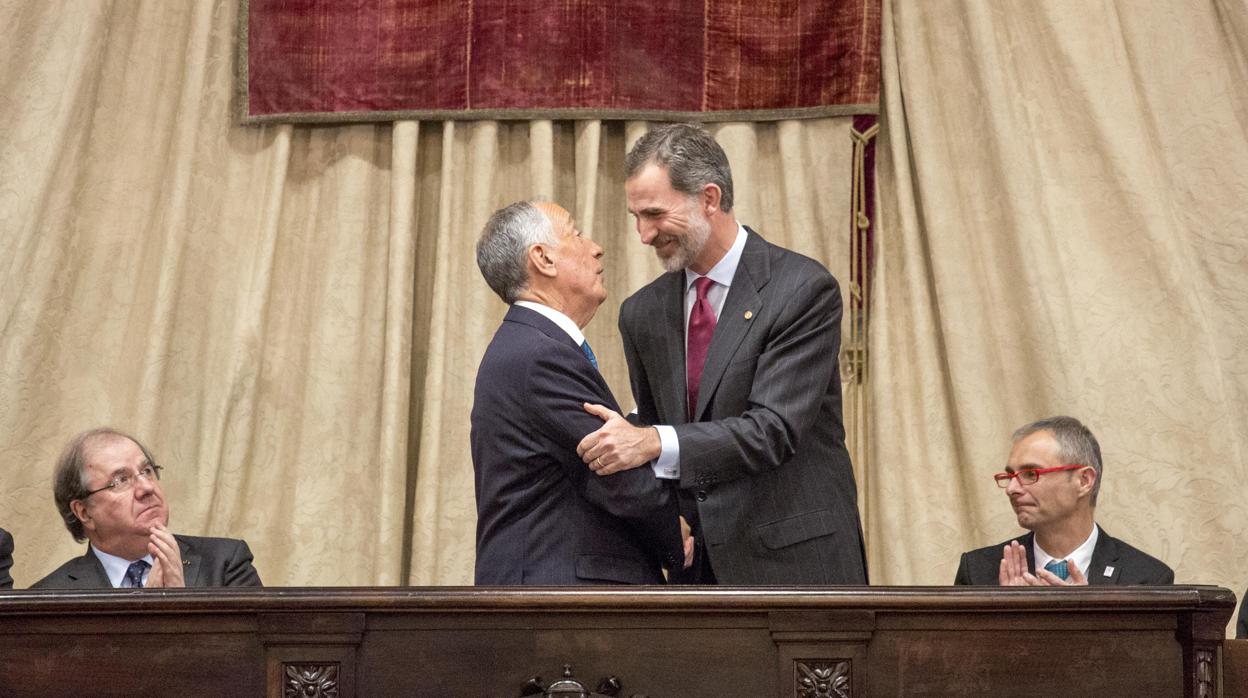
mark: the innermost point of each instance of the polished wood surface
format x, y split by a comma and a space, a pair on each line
655, 642
1235, 668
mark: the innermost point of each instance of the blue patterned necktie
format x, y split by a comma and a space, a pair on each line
1059, 568
134, 573
589, 353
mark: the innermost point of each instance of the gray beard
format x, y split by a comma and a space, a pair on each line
691, 244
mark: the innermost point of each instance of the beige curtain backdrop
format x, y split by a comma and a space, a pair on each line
1064, 190
291, 318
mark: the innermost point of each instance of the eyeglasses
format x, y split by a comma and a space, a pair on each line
1029, 476
125, 481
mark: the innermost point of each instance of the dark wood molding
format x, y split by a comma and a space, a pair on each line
474, 642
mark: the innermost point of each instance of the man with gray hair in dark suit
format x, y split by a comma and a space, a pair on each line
542, 519
732, 355
1053, 478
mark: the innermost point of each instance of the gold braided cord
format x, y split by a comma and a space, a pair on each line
854, 349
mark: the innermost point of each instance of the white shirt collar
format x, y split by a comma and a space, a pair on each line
563, 321
115, 567
1082, 556
726, 267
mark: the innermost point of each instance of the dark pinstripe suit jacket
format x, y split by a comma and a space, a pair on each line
763, 465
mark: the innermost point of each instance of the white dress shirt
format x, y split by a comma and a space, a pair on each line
563, 321
1082, 556
115, 567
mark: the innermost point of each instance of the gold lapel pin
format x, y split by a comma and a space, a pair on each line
749, 314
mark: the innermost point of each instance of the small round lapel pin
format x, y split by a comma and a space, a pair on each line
749, 314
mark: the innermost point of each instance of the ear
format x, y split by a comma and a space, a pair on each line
711, 195
1087, 480
541, 260
79, 508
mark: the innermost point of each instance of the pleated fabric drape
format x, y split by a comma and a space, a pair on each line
291, 317
1064, 198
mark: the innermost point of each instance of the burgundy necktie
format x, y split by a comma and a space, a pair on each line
701, 326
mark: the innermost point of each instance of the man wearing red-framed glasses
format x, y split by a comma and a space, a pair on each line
1052, 478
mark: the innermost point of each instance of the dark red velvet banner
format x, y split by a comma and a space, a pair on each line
369, 60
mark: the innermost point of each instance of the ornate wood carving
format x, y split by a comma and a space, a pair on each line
822, 678
1204, 674
307, 680
569, 687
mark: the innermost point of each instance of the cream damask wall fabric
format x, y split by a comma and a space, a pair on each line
1064, 188
290, 317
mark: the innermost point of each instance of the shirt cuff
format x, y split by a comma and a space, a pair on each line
668, 464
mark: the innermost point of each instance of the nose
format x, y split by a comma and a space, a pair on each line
646, 231
144, 486
1015, 487
596, 249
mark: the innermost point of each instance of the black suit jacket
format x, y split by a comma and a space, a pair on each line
6, 559
1125, 565
763, 466
206, 562
542, 516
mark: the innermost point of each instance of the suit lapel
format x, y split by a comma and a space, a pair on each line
546, 326
87, 571
1104, 559
740, 311
191, 564
671, 332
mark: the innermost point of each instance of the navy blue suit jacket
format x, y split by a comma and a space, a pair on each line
542, 516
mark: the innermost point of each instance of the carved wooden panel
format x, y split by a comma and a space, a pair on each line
822, 678
310, 680
1205, 674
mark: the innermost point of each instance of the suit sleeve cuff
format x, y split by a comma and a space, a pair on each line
667, 466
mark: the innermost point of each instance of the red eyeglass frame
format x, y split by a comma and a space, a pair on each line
1003, 479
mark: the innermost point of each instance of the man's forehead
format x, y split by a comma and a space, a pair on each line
556, 213
1033, 451
104, 450
653, 177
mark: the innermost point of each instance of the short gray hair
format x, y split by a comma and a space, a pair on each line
504, 246
69, 480
1075, 443
692, 157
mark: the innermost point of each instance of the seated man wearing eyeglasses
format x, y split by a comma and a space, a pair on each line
107, 488
1052, 478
